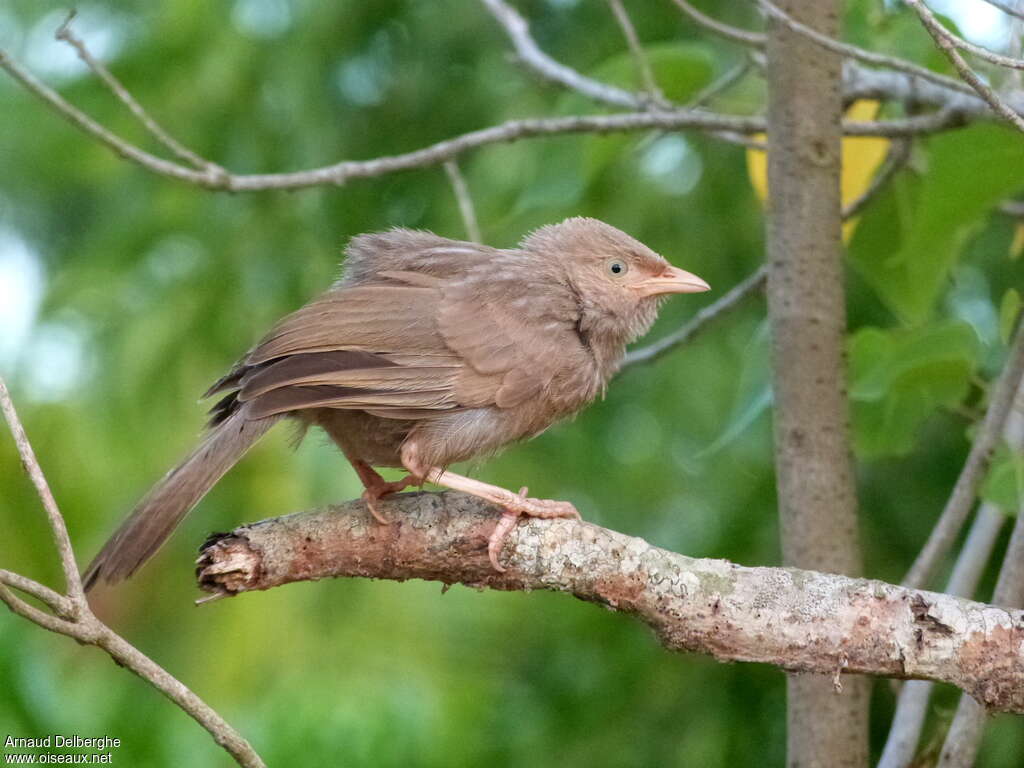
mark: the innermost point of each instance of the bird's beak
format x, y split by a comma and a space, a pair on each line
672, 280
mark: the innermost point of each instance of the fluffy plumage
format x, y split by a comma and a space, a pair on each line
427, 351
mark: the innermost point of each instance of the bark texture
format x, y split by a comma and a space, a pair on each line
806, 308
795, 619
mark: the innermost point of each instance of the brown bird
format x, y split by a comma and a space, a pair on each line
427, 351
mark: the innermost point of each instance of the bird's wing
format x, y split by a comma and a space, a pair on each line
369, 347
515, 337
449, 326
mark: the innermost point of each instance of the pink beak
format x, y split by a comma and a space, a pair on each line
672, 280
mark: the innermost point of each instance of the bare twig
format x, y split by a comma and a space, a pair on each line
912, 704
464, 199
72, 616
717, 87
800, 620
978, 50
530, 54
72, 581
643, 67
723, 30
435, 154
155, 129
1007, 7
698, 323
964, 737
55, 601
946, 43
860, 54
965, 490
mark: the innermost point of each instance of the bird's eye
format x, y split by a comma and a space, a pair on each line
616, 267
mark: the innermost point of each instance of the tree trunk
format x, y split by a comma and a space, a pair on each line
806, 307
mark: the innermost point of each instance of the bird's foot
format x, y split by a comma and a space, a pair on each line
371, 496
522, 505
377, 486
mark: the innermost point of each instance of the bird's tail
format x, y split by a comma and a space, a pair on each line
159, 513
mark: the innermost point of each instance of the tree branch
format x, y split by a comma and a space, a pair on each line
73, 617
125, 97
1007, 7
798, 620
653, 93
912, 703
807, 314
72, 581
530, 54
963, 740
466, 208
965, 490
980, 51
947, 43
851, 51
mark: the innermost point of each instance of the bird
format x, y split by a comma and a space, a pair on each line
426, 352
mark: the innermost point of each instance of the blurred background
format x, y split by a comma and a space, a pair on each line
124, 295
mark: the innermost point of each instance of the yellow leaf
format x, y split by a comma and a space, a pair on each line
861, 157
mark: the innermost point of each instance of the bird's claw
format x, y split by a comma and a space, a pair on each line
372, 503
522, 505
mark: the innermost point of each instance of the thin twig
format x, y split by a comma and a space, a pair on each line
924, 85
125, 97
965, 491
1007, 7
944, 41
978, 50
554, 71
963, 740
912, 704
860, 54
897, 157
698, 322
647, 81
464, 199
73, 618
723, 30
512, 130
717, 87
55, 601
72, 581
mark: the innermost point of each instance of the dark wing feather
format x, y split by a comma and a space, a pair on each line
368, 347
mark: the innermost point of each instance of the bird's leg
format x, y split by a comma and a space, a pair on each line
376, 486
514, 504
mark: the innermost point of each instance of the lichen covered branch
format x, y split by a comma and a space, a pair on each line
798, 620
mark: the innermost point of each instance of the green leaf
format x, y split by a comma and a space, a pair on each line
906, 248
680, 70
1009, 310
753, 394
1004, 485
899, 377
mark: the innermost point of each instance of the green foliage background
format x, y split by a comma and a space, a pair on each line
152, 288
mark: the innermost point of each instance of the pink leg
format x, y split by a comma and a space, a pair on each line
515, 505
376, 486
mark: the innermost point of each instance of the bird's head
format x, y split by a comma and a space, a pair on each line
617, 279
